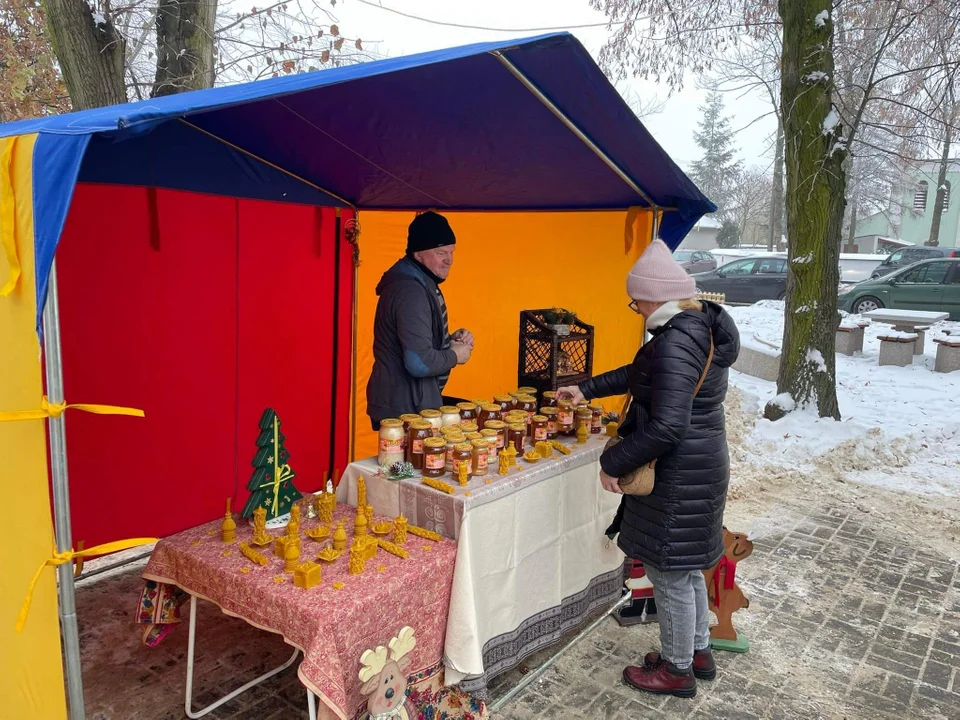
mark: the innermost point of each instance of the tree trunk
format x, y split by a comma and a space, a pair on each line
90, 53
185, 46
816, 184
776, 198
941, 190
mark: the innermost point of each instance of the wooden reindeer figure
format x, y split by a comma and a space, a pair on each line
724, 594
384, 678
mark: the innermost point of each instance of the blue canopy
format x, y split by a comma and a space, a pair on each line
516, 125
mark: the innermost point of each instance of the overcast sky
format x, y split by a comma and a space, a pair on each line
673, 128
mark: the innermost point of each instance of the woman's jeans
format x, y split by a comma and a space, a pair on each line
683, 614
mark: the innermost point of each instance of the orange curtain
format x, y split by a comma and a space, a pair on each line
505, 263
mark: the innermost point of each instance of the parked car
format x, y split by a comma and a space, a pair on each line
695, 261
908, 256
927, 285
748, 280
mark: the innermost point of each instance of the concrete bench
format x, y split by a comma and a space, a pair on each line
850, 337
948, 353
758, 363
897, 348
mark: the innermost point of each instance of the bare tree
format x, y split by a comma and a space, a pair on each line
883, 49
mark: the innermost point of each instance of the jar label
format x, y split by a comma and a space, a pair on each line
552, 427
434, 461
458, 463
391, 444
417, 446
481, 461
501, 441
565, 417
540, 434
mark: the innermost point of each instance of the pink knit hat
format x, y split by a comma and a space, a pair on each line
657, 277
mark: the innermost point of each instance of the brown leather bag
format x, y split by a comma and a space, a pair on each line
640, 481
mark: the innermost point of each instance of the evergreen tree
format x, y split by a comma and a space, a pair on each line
271, 486
717, 171
729, 235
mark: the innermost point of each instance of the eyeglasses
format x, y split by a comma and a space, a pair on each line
633, 306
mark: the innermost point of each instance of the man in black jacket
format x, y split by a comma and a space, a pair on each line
413, 350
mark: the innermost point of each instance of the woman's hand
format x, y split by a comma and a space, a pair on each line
571, 391
610, 484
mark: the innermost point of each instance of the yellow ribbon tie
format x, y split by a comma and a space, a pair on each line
55, 410
62, 558
8, 215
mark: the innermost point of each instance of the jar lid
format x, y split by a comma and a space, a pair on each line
467, 406
489, 432
518, 427
420, 425
502, 398
527, 390
515, 394
480, 403
463, 447
495, 424
469, 427
473, 436
391, 423
455, 438
550, 394
479, 443
594, 406
449, 410
490, 407
430, 413
584, 411
549, 411
435, 442
540, 418
450, 430
527, 399
409, 417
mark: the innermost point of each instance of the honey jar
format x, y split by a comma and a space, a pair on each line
469, 426
516, 436
538, 424
391, 442
480, 450
532, 392
488, 412
462, 457
501, 427
433, 417
434, 457
584, 417
515, 396
504, 401
419, 431
449, 415
596, 423
549, 399
490, 436
452, 439
565, 417
551, 413
468, 411
406, 419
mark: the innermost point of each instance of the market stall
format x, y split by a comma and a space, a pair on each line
202, 279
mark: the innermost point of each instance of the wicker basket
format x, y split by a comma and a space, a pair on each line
553, 356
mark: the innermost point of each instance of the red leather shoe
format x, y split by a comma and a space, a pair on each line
661, 679
704, 668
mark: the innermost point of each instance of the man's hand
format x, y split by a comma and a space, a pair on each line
571, 391
610, 484
463, 336
462, 351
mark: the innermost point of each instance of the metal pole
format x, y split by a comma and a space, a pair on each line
530, 677
61, 500
528, 83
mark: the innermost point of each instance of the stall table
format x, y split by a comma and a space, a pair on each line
533, 561
333, 623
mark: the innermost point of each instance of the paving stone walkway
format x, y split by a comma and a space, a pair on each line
844, 622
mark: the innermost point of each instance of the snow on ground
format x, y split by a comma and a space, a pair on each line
900, 427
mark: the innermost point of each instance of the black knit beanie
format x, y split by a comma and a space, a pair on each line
429, 230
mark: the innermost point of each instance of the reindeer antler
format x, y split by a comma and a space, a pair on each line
372, 662
403, 643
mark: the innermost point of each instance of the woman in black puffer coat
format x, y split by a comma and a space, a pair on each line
676, 531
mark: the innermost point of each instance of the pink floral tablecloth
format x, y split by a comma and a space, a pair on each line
333, 627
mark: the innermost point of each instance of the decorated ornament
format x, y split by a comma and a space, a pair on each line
725, 596
271, 486
383, 677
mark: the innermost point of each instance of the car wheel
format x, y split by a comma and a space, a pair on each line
866, 304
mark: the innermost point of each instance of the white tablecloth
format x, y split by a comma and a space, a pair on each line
532, 558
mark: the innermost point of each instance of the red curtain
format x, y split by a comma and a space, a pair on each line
202, 311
